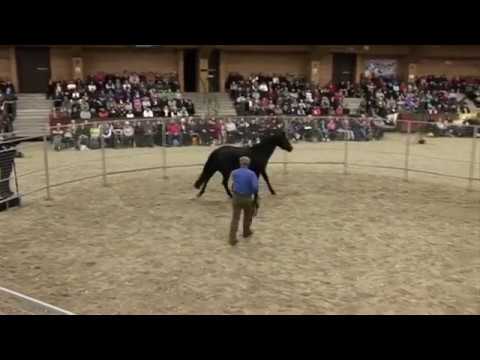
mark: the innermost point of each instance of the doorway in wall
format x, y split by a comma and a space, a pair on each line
190, 70
344, 66
33, 68
214, 71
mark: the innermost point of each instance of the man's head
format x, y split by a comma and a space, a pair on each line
244, 162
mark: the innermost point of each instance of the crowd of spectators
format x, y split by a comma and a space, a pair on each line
89, 135
444, 128
294, 96
8, 100
196, 131
431, 95
328, 129
318, 112
117, 96
286, 95
472, 90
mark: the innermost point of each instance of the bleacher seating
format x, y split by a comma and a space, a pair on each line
115, 96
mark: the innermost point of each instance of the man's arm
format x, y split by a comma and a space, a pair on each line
255, 192
254, 183
233, 181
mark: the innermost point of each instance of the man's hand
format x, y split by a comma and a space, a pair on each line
256, 205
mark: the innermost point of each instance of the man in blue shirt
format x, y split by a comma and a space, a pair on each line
245, 186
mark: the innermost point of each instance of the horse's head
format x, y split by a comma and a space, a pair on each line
282, 142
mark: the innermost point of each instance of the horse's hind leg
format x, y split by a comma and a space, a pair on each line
226, 175
267, 180
204, 186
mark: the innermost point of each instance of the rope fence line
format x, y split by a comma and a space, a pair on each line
36, 304
82, 162
120, 172
415, 170
22, 194
416, 155
348, 161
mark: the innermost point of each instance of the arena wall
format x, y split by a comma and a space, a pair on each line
322, 69
120, 59
449, 68
5, 68
447, 51
314, 62
61, 66
247, 62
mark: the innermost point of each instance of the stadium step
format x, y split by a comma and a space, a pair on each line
353, 104
33, 111
220, 104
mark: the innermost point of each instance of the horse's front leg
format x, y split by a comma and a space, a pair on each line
267, 180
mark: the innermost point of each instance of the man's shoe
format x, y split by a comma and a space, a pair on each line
247, 235
233, 241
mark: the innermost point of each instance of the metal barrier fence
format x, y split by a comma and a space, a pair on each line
42, 165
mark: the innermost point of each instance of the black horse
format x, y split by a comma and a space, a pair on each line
226, 159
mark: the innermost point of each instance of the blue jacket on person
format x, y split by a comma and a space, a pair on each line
245, 182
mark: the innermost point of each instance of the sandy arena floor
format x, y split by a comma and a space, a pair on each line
365, 243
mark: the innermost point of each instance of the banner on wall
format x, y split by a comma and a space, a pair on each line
381, 67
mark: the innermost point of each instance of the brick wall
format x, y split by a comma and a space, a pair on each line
448, 51
120, 59
5, 63
322, 68
61, 66
449, 68
247, 63
428, 60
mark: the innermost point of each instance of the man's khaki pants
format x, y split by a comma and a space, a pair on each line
241, 203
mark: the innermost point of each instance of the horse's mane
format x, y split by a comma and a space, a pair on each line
267, 140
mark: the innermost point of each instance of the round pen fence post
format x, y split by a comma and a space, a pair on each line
407, 148
164, 148
472, 159
16, 182
45, 163
104, 160
345, 155
285, 153
315, 130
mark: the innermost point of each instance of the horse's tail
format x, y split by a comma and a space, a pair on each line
208, 170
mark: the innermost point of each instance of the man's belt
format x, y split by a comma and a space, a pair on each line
242, 195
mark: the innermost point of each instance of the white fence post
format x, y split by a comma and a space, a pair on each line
45, 164
104, 161
345, 156
407, 148
285, 153
164, 149
15, 177
472, 159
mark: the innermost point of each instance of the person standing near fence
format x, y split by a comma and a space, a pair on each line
245, 190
